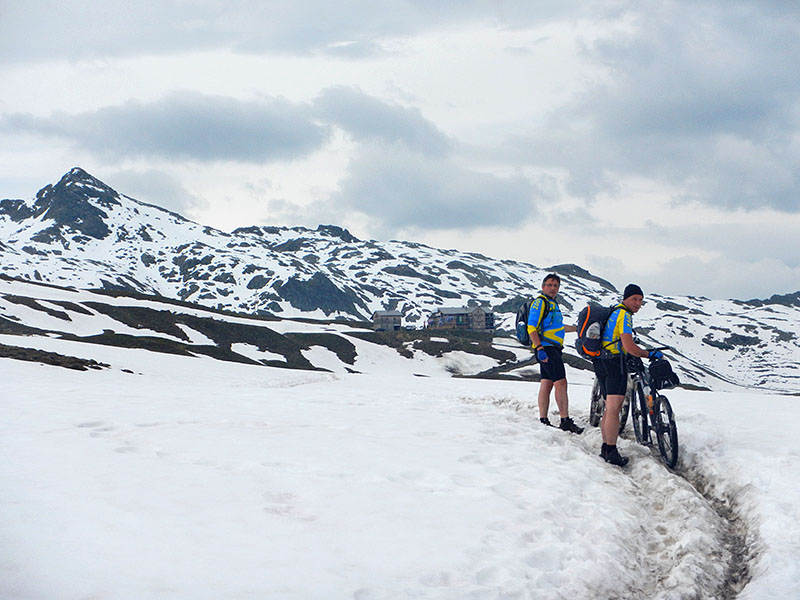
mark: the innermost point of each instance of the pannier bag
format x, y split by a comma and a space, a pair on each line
662, 376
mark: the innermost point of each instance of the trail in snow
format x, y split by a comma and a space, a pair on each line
738, 538
708, 563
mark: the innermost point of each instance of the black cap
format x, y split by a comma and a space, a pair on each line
631, 290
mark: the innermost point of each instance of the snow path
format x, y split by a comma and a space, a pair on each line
739, 540
683, 541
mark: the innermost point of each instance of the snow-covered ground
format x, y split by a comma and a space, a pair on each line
191, 478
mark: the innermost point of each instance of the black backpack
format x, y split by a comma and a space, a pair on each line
522, 319
592, 321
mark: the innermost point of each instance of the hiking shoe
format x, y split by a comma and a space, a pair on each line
545, 421
614, 457
567, 424
604, 451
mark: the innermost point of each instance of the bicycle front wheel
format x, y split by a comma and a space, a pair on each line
596, 405
666, 430
639, 415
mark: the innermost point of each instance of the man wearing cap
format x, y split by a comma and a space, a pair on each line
612, 369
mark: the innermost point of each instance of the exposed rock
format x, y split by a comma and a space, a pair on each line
319, 293
576, 271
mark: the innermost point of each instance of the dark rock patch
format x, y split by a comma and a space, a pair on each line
50, 358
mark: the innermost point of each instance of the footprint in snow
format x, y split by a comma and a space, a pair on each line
284, 504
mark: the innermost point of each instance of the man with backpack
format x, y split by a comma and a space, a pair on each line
611, 367
546, 330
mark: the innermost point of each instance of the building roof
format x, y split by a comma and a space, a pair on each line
453, 311
387, 313
461, 310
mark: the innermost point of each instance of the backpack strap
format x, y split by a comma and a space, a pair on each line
546, 302
618, 340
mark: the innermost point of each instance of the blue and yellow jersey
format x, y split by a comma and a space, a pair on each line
620, 321
551, 331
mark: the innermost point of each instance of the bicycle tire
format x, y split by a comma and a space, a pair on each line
639, 415
666, 431
596, 405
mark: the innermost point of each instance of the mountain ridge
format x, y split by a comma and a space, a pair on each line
81, 233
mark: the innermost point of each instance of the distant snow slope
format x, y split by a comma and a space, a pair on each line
74, 323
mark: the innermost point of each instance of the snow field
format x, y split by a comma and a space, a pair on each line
193, 478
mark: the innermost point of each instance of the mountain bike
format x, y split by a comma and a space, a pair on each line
597, 404
651, 412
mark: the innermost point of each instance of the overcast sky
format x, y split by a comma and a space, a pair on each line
647, 141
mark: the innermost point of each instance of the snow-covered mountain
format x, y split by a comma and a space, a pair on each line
81, 233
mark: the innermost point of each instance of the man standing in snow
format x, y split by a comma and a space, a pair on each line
546, 330
612, 371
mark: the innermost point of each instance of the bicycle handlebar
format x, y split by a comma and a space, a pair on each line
654, 349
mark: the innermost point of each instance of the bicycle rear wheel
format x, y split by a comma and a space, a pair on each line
639, 415
666, 431
596, 405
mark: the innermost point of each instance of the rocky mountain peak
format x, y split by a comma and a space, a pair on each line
77, 184
338, 232
76, 175
575, 270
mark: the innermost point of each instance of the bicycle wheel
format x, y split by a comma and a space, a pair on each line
639, 415
596, 405
666, 431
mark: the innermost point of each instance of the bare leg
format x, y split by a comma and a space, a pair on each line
609, 426
561, 398
544, 397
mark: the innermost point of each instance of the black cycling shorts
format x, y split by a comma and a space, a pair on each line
553, 369
612, 373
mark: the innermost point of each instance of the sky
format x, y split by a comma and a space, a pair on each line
647, 141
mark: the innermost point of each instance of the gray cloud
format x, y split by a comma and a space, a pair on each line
154, 186
736, 259
207, 128
367, 118
43, 30
702, 96
775, 237
692, 276
400, 189
185, 126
